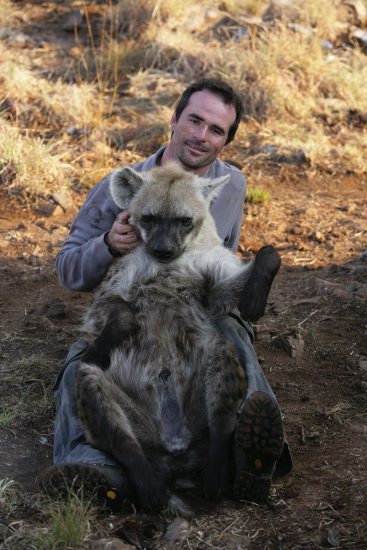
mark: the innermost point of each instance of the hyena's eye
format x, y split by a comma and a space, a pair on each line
186, 222
147, 218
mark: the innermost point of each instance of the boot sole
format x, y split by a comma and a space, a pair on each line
258, 443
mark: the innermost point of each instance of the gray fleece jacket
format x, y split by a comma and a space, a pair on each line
84, 257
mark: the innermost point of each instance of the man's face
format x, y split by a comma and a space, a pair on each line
200, 134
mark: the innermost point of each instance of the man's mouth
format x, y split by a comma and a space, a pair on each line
195, 147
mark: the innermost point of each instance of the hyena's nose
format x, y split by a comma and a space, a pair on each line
163, 253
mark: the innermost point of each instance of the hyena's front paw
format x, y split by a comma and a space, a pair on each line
149, 489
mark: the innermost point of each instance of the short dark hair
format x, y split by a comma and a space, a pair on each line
218, 87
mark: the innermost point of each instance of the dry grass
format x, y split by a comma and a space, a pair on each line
55, 525
28, 396
6, 13
136, 59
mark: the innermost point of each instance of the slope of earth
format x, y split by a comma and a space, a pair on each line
312, 345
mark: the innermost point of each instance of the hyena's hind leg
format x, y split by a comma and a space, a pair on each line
119, 326
254, 295
225, 387
111, 421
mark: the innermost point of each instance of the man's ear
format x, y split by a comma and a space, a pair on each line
124, 185
173, 122
211, 188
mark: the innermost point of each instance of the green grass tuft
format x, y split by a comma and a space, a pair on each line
256, 195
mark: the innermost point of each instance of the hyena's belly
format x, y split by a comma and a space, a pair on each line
162, 368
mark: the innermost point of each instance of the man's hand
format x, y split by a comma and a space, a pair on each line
123, 237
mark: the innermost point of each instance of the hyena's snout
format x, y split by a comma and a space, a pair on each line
163, 247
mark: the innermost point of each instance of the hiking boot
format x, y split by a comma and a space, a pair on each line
96, 482
258, 443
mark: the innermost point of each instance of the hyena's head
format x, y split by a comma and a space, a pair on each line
169, 206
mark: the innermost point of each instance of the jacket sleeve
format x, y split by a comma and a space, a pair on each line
84, 257
237, 216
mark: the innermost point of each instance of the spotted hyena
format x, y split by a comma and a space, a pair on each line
159, 386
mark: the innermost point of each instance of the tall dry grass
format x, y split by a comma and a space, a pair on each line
111, 103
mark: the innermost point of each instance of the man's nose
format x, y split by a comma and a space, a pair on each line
201, 132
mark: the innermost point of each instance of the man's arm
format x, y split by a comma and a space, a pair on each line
99, 232
227, 208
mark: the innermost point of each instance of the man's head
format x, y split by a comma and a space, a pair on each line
219, 88
204, 122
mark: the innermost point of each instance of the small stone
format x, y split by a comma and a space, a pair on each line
333, 537
293, 343
73, 21
177, 530
64, 200
109, 544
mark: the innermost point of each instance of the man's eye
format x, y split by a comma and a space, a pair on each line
147, 218
186, 222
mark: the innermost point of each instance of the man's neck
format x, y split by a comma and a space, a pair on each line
167, 156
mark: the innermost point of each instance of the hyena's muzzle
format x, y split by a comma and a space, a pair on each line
166, 238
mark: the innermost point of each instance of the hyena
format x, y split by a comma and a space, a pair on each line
159, 387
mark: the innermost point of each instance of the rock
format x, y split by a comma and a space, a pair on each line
332, 537
317, 236
21, 40
363, 364
280, 9
229, 28
233, 542
109, 544
361, 37
64, 200
73, 21
177, 530
293, 343
346, 292
75, 132
54, 309
46, 209
285, 155
326, 44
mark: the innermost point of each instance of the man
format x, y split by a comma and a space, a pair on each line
204, 122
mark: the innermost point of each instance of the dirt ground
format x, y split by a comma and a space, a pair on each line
312, 345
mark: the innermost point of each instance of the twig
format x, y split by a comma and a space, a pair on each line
308, 317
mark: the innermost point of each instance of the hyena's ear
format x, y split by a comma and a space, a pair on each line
211, 188
124, 184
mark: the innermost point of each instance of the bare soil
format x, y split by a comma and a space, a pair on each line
312, 345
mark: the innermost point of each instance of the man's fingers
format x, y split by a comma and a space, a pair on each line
123, 216
127, 238
123, 236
